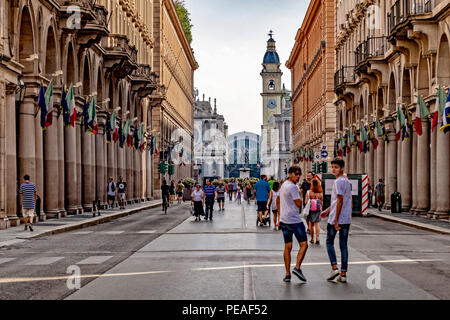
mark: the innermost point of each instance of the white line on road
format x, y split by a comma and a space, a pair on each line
82, 232
249, 289
95, 260
146, 231
12, 280
111, 232
44, 261
11, 242
5, 260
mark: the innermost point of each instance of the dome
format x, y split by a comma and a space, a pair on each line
271, 57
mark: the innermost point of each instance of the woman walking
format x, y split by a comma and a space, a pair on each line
180, 188
249, 192
198, 200
315, 196
272, 202
239, 196
172, 191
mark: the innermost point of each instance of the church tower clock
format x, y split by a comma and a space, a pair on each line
271, 80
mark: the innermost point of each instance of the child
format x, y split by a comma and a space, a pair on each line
238, 198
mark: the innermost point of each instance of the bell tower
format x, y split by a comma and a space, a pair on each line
271, 81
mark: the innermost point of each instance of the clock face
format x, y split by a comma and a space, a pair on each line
272, 103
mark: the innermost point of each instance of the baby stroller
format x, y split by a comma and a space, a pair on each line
266, 221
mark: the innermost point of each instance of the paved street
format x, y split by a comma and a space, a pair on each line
230, 258
151, 256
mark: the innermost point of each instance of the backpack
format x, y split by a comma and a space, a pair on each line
315, 205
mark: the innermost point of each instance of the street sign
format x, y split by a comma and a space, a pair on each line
324, 147
324, 154
317, 157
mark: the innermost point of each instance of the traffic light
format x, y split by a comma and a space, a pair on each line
171, 169
314, 168
162, 167
324, 166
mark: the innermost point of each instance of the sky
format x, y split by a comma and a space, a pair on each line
229, 43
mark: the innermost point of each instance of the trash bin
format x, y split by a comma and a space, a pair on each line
396, 202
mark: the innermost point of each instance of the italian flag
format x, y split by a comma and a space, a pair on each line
70, 99
114, 129
400, 123
440, 106
92, 117
421, 112
48, 113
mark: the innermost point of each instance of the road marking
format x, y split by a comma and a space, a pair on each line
5, 260
83, 232
95, 260
44, 261
111, 232
31, 279
406, 259
243, 221
249, 289
11, 242
146, 231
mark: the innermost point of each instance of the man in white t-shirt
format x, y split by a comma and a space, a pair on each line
340, 218
288, 205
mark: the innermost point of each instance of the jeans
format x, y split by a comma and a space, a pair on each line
230, 195
343, 238
209, 207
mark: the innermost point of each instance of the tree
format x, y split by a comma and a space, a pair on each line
184, 14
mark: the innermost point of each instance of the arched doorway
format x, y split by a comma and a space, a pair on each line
443, 65
406, 88
380, 111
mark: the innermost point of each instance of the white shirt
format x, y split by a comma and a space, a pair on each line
110, 192
275, 195
290, 213
197, 195
341, 187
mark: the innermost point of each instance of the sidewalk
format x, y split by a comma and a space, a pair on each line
17, 234
416, 221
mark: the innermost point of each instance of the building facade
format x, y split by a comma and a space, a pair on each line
388, 54
210, 140
243, 153
104, 49
172, 105
276, 127
312, 67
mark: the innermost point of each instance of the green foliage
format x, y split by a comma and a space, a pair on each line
184, 14
188, 182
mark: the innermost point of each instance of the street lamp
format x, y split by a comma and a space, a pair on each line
20, 91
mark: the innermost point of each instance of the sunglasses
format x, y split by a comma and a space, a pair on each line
297, 173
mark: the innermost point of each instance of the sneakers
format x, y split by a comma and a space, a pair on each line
333, 275
342, 279
287, 278
299, 274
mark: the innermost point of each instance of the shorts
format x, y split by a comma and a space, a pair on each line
296, 228
180, 194
111, 198
27, 212
380, 198
274, 211
219, 200
121, 196
262, 206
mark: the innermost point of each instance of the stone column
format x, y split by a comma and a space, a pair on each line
88, 187
129, 173
79, 168
423, 172
51, 170
442, 175
414, 172
380, 160
433, 163
392, 168
385, 163
148, 172
137, 176
406, 174
354, 157
70, 160
61, 169
99, 165
369, 166
111, 160
39, 161
120, 162
11, 177
93, 168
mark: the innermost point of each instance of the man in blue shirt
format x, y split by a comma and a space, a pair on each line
262, 188
28, 195
211, 196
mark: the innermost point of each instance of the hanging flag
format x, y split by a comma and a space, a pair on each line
129, 136
86, 114
445, 126
351, 138
64, 106
71, 105
49, 104
92, 117
421, 112
439, 109
441, 99
136, 137
121, 135
399, 124
108, 128
141, 136
156, 146
41, 104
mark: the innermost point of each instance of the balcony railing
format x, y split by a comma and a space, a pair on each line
344, 75
372, 47
402, 9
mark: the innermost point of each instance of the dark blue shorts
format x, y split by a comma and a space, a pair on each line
262, 206
289, 229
